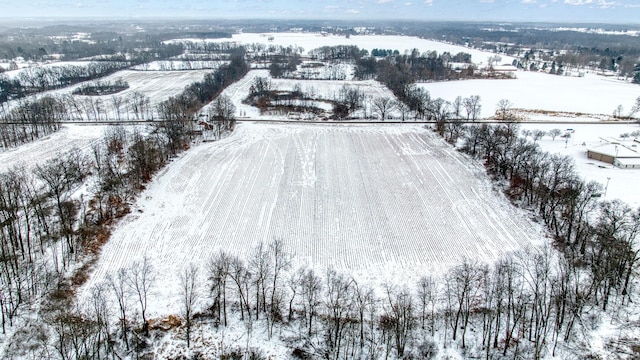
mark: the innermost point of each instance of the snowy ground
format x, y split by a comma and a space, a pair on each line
386, 203
591, 94
157, 85
623, 183
41, 150
310, 41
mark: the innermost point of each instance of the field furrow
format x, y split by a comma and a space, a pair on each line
382, 202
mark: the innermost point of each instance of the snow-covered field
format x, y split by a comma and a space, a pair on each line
310, 41
386, 203
158, 86
68, 137
591, 94
623, 183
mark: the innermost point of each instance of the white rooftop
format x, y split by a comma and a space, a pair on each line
617, 150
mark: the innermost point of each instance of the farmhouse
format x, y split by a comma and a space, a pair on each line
622, 155
506, 69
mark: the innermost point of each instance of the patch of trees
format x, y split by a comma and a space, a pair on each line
262, 55
208, 51
339, 52
402, 70
178, 113
384, 52
49, 236
598, 237
282, 64
30, 120
530, 304
264, 97
571, 48
636, 74
99, 88
22, 122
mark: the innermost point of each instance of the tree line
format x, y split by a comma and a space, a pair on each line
597, 236
179, 112
42, 78
30, 120
49, 234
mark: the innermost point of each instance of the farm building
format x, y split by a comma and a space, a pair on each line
507, 69
624, 156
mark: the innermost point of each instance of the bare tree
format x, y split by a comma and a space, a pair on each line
260, 267
537, 135
311, 288
121, 291
462, 289
472, 107
241, 276
218, 269
504, 110
222, 114
140, 278
189, 294
338, 307
383, 105
400, 317
635, 108
403, 109
456, 107
353, 97
61, 175
554, 133
617, 113
365, 303
280, 261
427, 296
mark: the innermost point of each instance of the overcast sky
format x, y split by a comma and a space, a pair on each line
602, 11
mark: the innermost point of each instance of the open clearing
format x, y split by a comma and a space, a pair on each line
80, 137
592, 94
157, 85
382, 202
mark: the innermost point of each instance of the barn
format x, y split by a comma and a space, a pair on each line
622, 155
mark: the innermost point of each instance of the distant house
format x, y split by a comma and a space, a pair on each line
505, 69
622, 155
